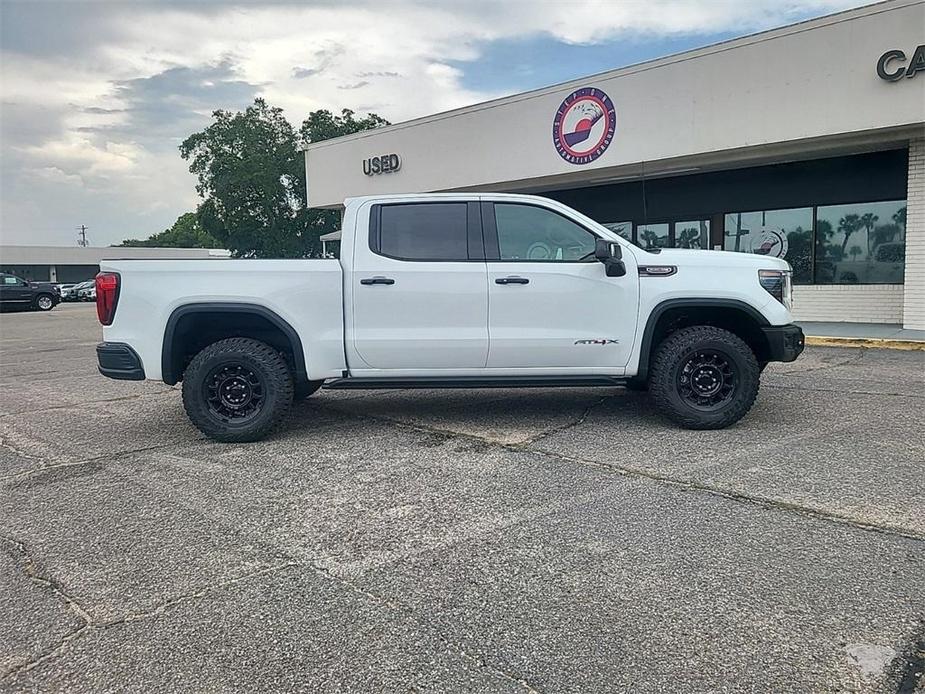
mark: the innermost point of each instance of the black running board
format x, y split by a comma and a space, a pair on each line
473, 382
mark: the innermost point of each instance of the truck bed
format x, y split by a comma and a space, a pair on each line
308, 294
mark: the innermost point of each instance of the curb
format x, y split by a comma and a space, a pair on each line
868, 342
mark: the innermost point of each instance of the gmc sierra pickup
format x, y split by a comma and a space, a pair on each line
458, 291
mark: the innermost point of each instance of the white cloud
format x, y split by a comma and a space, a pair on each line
92, 126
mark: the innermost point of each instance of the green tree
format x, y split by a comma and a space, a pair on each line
688, 237
855, 251
868, 220
186, 232
251, 176
847, 225
323, 125
899, 217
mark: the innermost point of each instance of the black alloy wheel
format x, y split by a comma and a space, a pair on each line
707, 380
234, 392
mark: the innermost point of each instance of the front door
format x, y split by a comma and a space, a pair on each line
13, 291
419, 287
551, 305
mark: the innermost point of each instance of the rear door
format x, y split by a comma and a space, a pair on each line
419, 288
551, 305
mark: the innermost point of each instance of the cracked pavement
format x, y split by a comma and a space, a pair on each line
537, 540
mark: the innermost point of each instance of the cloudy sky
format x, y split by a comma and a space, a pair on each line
96, 96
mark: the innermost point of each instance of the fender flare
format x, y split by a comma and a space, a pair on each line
167, 372
645, 349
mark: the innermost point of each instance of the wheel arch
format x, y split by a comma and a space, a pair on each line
734, 315
191, 327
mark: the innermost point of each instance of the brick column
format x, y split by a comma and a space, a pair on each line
914, 294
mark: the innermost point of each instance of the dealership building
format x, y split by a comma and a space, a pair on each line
805, 142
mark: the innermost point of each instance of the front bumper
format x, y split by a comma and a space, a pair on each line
785, 342
119, 361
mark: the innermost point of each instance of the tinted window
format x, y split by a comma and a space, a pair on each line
431, 231
861, 244
653, 235
535, 234
786, 234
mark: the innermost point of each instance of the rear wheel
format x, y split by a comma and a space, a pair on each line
237, 390
44, 302
704, 377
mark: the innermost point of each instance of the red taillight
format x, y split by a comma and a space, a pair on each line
107, 294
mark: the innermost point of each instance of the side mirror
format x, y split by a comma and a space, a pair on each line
605, 250
609, 253
614, 268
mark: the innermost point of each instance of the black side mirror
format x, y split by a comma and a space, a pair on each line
605, 250
609, 253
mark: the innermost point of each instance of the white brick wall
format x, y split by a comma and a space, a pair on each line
872, 303
914, 302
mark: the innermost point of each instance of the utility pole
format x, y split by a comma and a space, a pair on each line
82, 241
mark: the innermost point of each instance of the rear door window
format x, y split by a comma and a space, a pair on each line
422, 231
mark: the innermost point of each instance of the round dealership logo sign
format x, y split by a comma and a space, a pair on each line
770, 241
584, 125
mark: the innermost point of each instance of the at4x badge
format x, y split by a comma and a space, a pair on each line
600, 341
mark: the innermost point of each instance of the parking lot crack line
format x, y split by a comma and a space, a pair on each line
571, 425
410, 613
732, 495
843, 391
30, 569
90, 624
86, 461
202, 592
5, 443
87, 402
854, 359
688, 485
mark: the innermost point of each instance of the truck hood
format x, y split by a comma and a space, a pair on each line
683, 257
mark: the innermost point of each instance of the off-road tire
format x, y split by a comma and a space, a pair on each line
265, 363
305, 389
670, 357
47, 299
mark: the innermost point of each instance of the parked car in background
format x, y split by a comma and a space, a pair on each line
16, 292
73, 294
64, 289
88, 293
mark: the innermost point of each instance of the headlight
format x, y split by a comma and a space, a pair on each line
779, 285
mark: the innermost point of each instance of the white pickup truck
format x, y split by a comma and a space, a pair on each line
448, 290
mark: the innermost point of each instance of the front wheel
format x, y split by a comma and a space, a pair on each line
44, 302
704, 377
237, 390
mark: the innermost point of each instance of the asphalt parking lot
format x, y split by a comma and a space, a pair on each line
498, 541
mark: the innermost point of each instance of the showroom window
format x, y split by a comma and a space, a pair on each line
653, 235
861, 244
693, 234
780, 233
